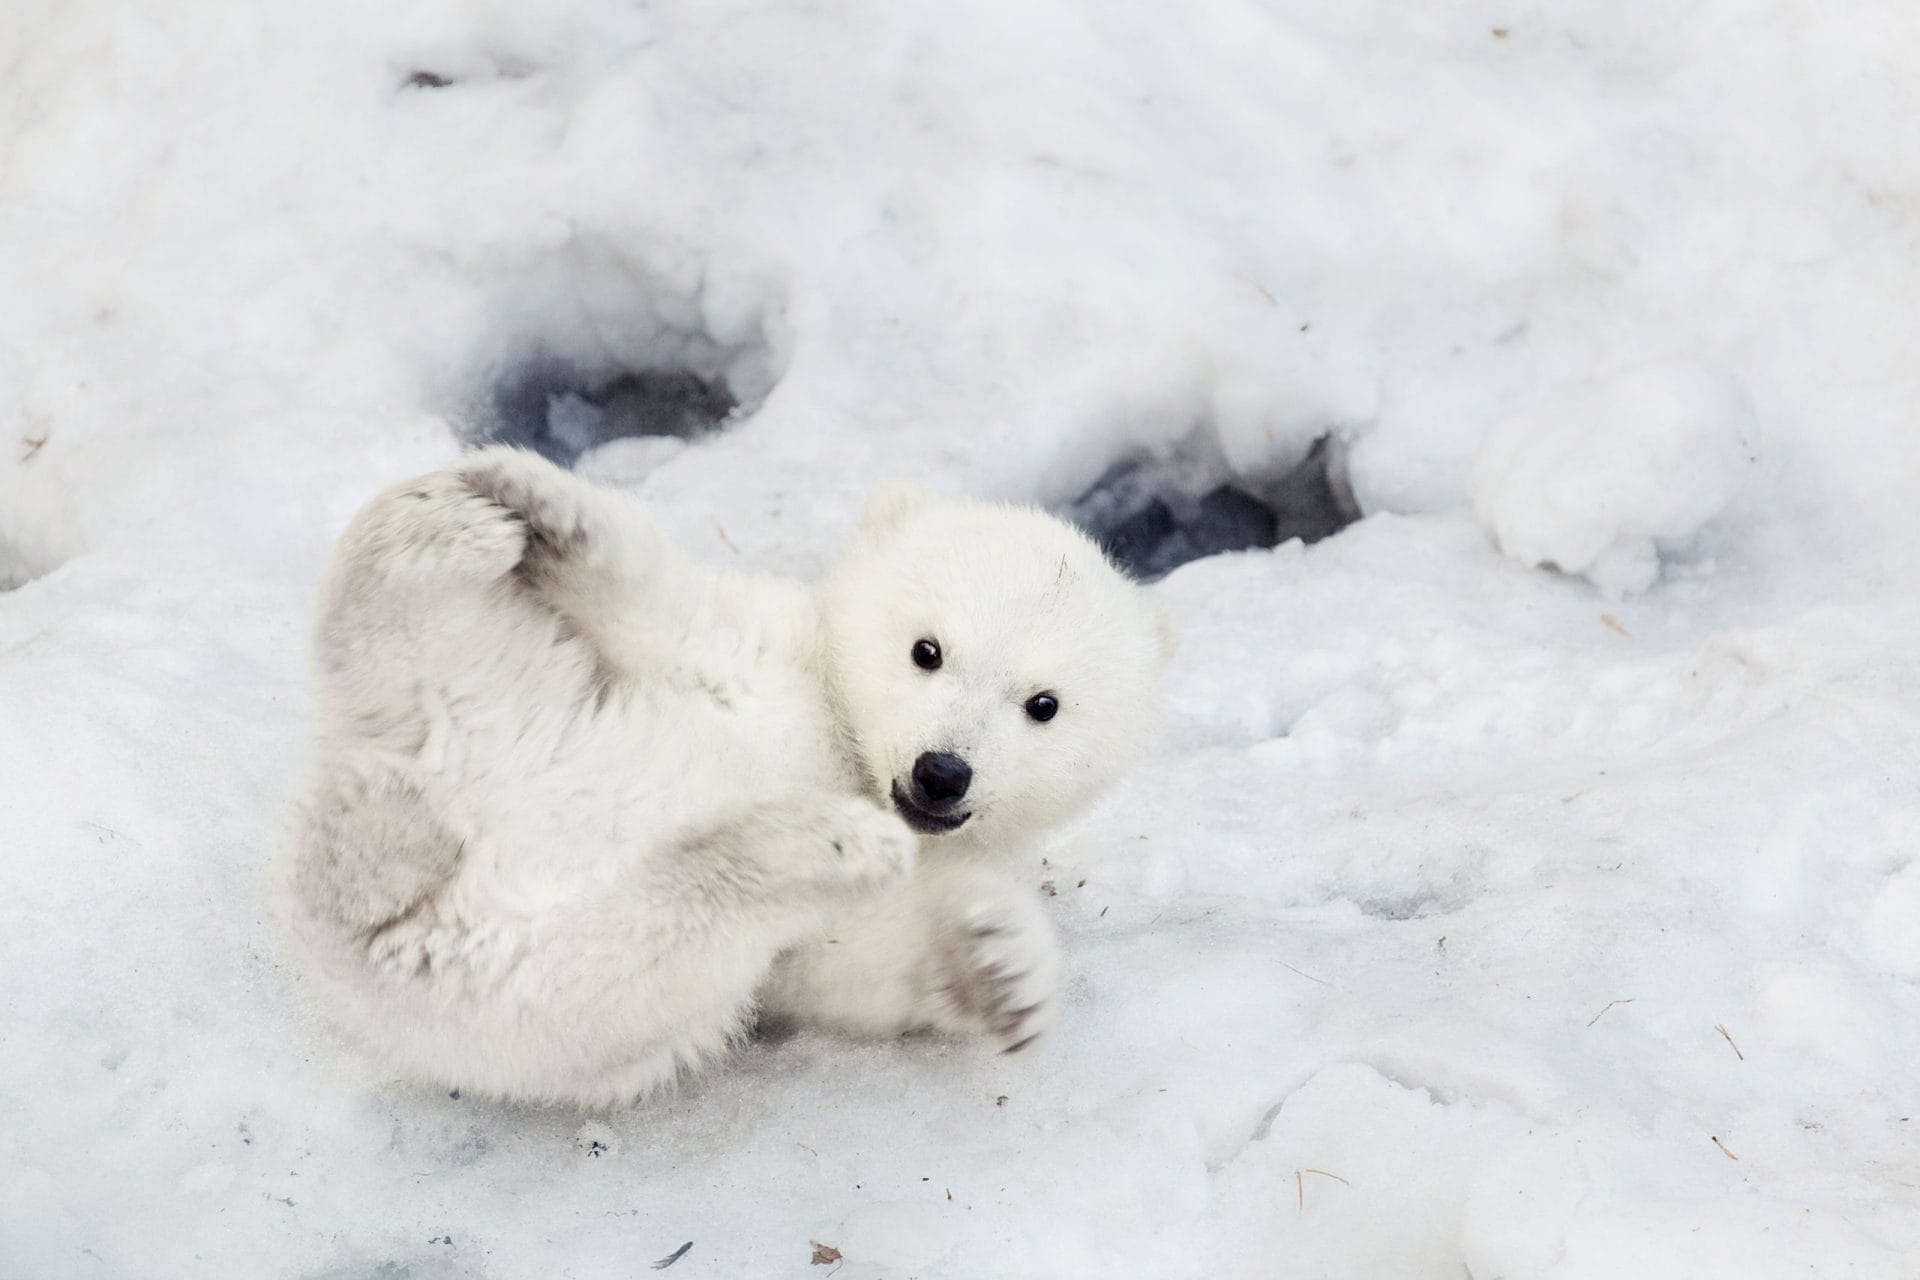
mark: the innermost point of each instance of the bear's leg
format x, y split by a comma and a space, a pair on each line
371, 844
673, 954
954, 948
592, 554
432, 529
502, 541
419, 606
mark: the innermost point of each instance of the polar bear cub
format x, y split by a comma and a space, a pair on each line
580, 809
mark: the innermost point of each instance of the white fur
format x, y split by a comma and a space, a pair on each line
579, 807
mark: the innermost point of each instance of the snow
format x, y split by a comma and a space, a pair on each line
1598, 481
1466, 918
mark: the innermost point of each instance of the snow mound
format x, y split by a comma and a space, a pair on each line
1601, 478
1358, 1176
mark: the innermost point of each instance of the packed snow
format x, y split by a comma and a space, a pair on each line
1468, 917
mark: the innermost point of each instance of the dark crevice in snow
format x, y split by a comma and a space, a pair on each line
561, 410
469, 68
1156, 513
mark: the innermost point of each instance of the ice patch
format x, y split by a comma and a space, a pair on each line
1600, 478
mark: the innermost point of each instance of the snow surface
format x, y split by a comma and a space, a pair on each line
1463, 920
1599, 481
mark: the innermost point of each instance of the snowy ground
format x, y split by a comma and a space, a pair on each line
1468, 918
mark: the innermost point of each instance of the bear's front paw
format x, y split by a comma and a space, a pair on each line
1000, 970
868, 845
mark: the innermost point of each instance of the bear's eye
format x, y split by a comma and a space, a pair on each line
926, 655
1043, 707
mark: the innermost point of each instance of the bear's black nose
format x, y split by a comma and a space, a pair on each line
941, 777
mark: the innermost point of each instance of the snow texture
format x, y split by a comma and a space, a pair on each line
1465, 920
1598, 480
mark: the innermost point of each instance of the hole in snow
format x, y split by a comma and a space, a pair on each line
598, 351
563, 410
1154, 513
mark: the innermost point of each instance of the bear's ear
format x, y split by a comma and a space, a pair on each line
890, 502
1165, 631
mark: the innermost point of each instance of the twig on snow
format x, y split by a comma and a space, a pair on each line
1603, 1012
673, 1257
1300, 1185
1309, 977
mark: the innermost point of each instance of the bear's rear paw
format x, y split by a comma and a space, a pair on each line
579, 539
559, 509
999, 974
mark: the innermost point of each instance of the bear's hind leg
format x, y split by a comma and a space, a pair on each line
592, 554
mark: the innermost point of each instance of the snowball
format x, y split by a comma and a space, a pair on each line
1599, 478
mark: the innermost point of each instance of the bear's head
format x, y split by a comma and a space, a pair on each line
994, 670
